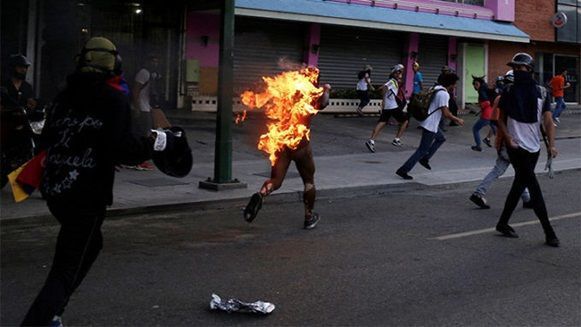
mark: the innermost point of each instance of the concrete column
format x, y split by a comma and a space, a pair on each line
453, 53
412, 46
312, 41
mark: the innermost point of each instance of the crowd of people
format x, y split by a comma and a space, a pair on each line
88, 132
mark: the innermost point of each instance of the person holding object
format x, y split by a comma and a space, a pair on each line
87, 133
523, 108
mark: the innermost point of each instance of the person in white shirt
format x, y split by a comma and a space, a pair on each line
393, 104
432, 136
363, 87
523, 108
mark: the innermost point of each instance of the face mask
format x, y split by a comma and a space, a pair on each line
19, 76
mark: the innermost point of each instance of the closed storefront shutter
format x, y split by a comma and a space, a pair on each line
433, 53
345, 51
260, 44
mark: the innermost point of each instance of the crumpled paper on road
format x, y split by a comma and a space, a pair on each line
235, 305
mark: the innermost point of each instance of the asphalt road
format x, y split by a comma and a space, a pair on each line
373, 260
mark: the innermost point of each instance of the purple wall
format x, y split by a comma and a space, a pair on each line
313, 40
200, 26
453, 53
413, 44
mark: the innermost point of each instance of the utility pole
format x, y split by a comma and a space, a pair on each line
223, 151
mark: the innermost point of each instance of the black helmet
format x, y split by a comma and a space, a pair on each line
18, 60
522, 59
176, 160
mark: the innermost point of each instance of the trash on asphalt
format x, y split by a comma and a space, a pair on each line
235, 305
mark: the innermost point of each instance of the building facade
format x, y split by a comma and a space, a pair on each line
554, 49
342, 36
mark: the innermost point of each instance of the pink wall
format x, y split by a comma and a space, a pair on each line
313, 38
199, 25
412, 43
503, 9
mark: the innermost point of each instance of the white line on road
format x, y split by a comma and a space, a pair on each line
488, 230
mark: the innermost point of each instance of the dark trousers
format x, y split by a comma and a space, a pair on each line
428, 146
78, 245
364, 98
524, 164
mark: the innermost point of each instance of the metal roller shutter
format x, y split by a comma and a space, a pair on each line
260, 44
432, 55
345, 51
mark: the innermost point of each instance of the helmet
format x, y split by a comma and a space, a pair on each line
176, 159
522, 59
509, 77
18, 60
99, 54
397, 68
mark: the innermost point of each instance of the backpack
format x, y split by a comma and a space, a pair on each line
420, 104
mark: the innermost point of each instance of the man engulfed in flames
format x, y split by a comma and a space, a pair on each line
290, 100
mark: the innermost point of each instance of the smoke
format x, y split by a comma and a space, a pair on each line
287, 64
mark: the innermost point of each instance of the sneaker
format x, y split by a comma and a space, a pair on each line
528, 205
487, 142
56, 322
403, 174
426, 164
360, 112
144, 166
370, 145
557, 120
396, 142
479, 200
506, 231
476, 148
253, 207
312, 221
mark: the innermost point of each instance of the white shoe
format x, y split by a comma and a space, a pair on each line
396, 142
370, 145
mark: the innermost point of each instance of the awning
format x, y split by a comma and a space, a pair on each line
325, 12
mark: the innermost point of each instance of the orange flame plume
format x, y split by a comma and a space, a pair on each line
288, 103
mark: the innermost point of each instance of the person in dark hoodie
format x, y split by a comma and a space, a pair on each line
87, 133
523, 107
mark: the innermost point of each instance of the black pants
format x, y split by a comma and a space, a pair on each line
364, 98
524, 164
78, 245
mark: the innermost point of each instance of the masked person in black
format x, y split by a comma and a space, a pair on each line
523, 107
87, 133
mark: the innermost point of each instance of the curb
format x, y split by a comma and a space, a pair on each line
276, 198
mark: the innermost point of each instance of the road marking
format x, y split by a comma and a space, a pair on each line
488, 230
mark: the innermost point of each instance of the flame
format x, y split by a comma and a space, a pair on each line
288, 102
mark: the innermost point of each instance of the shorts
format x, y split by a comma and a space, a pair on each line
397, 114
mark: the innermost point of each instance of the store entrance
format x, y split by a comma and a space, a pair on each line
571, 63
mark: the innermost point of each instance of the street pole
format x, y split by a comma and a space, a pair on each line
223, 149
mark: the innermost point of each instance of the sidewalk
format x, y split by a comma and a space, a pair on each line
344, 166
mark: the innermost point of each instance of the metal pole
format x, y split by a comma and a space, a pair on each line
223, 150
